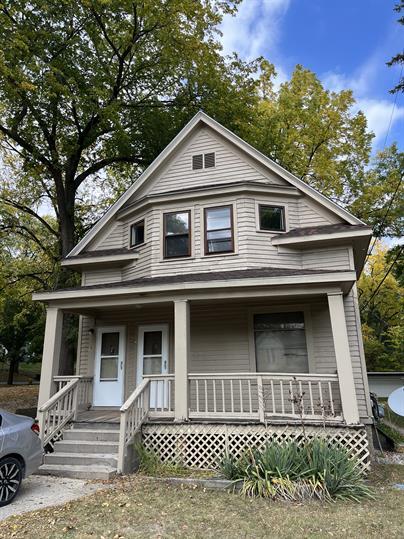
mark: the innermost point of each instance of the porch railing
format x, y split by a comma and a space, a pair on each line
72, 393
161, 395
133, 414
265, 396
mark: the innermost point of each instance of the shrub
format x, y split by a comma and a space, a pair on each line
287, 471
151, 464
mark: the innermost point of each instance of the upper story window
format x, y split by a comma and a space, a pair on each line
137, 234
201, 161
177, 231
272, 218
219, 237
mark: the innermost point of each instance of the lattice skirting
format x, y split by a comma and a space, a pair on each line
203, 446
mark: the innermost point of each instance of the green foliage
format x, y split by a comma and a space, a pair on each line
394, 434
287, 471
382, 309
151, 464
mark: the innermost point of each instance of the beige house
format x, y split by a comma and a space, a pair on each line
218, 309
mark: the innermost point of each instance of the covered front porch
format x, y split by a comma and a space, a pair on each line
272, 355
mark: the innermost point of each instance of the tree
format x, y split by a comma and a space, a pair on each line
380, 196
312, 132
89, 85
398, 58
381, 301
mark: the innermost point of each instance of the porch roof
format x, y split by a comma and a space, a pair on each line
254, 277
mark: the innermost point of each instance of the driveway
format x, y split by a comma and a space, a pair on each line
40, 491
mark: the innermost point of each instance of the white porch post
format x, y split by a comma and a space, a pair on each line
181, 354
51, 353
343, 358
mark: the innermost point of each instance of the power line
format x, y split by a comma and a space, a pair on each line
374, 293
380, 228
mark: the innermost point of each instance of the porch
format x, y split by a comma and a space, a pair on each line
197, 382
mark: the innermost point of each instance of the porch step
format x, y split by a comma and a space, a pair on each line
94, 425
85, 459
104, 435
86, 446
93, 471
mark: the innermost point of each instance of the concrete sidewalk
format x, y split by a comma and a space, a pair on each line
38, 492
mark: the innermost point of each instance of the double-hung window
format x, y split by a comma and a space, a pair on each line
272, 218
177, 232
219, 237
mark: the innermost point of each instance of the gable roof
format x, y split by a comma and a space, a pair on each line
203, 119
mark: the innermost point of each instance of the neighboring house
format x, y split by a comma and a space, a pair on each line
218, 309
384, 383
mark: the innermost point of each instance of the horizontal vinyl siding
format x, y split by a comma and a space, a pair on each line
85, 347
102, 276
312, 215
112, 238
336, 258
353, 338
231, 166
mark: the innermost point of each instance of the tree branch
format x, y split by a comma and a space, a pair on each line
29, 211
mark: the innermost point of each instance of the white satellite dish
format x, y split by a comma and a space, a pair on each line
396, 401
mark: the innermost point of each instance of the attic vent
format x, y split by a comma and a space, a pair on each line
209, 160
201, 160
197, 161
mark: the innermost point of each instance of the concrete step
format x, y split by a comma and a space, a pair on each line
85, 459
86, 446
95, 425
92, 435
78, 471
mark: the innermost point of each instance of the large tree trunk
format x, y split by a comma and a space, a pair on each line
12, 370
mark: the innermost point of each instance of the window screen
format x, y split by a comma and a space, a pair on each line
280, 342
272, 218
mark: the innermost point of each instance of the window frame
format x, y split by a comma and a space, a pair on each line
133, 246
284, 216
165, 214
203, 154
205, 226
282, 308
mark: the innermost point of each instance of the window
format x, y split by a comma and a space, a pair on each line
272, 218
219, 230
109, 357
137, 234
177, 234
280, 342
201, 161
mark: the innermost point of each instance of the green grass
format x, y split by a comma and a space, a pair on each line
141, 507
28, 372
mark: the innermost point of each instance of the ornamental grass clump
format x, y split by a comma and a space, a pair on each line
285, 471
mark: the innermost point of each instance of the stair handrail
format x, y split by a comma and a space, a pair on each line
56, 412
133, 414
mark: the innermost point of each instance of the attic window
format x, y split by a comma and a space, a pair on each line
272, 218
201, 161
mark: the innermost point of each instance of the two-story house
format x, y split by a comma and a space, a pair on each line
218, 309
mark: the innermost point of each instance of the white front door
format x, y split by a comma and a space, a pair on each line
152, 353
109, 366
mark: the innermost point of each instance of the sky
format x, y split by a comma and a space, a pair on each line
346, 43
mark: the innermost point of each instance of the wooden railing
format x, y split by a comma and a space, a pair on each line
62, 407
161, 402
265, 396
133, 414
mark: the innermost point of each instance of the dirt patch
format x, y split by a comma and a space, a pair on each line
15, 397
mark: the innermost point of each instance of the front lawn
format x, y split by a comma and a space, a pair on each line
136, 506
14, 397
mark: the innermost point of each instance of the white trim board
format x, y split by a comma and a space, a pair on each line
203, 119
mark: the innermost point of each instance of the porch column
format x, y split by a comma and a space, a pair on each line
343, 358
181, 354
51, 353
